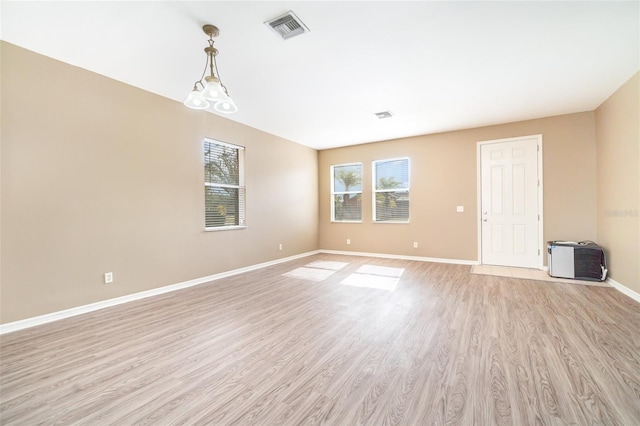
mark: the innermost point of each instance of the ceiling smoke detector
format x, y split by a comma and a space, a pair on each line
287, 25
384, 114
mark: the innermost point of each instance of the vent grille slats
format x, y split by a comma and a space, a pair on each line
384, 114
287, 25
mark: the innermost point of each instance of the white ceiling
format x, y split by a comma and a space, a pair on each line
437, 66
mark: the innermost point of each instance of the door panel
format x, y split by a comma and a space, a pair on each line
509, 203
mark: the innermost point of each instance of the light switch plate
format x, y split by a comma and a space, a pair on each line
460, 209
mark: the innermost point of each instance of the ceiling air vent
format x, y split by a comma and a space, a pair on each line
287, 25
384, 114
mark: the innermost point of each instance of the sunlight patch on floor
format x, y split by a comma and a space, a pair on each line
371, 281
327, 264
367, 276
376, 277
312, 274
380, 270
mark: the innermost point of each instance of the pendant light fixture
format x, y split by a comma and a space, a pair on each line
211, 91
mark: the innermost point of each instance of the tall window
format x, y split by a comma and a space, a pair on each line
391, 190
223, 185
346, 193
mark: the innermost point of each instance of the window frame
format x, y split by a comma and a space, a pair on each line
241, 187
376, 191
334, 192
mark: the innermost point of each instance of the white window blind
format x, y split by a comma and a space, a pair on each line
391, 190
346, 193
224, 190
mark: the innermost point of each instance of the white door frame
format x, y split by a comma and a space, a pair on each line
541, 248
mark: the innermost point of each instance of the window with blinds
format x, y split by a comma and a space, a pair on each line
224, 190
391, 190
346, 193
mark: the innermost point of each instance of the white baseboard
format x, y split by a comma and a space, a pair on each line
67, 313
624, 289
399, 256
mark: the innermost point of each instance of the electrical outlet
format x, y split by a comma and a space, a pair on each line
280, 246
348, 241
415, 244
108, 278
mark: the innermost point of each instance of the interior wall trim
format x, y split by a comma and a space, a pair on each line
67, 313
403, 257
624, 289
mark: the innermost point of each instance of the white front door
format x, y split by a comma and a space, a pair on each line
509, 210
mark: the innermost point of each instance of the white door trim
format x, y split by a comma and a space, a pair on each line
541, 246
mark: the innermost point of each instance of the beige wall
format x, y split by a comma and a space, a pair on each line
99, 176
618, 150
443, 176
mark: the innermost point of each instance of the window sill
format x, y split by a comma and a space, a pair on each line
225, 228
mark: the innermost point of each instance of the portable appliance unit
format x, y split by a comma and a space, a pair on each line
581, 261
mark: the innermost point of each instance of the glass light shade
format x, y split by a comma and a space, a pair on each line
195, 100
213, 91
226, 106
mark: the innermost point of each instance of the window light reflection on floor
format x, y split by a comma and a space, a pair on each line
380, 270
377, 277
316, 271
311, 274
367, 276
371, 281
327, 264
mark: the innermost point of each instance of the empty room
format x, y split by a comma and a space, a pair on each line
319, 212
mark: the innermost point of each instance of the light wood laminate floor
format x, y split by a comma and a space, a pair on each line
445, 347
